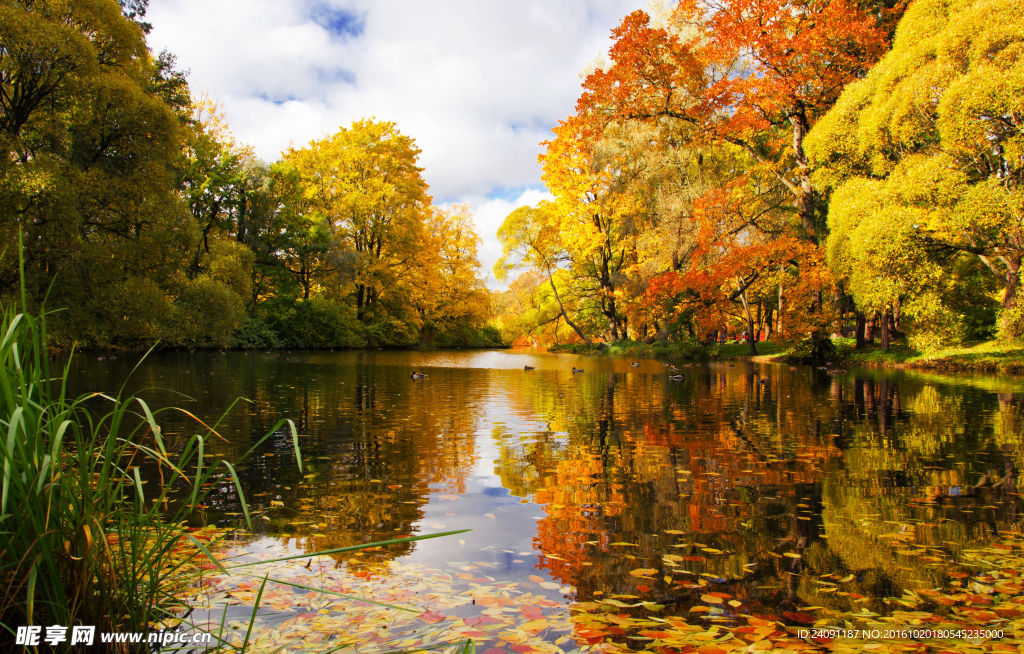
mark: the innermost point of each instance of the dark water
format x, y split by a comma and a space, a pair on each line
880, 474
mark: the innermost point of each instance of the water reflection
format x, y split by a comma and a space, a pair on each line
766, 484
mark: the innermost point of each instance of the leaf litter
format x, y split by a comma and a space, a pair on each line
321, 604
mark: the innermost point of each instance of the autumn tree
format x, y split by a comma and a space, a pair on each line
364, 187
529, 239
596, 215
453, 297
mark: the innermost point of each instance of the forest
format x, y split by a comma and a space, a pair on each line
794, 170
143, 221
790, 170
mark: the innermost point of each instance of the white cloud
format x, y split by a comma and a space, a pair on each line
489, 213
477, 83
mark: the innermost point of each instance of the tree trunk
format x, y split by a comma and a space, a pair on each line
859, 332
869, 329
805, 198
561, 308
750, 320
768, 322
757, 336
778, 327
885, 330
613, 324
1012, 281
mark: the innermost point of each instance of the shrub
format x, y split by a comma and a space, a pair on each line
319, 323
255, 334
206, 314
1011, 323
814, 348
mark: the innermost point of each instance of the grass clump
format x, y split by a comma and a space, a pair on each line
83, 542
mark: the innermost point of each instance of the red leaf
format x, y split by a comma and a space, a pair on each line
802, 618
430, 617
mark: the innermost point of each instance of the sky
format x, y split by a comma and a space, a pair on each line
478, 83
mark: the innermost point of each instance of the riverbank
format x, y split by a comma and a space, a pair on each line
986, 356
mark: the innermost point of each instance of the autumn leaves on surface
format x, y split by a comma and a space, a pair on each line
755, 165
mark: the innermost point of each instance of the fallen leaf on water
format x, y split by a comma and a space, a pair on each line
539, 624
802, 618
430, 617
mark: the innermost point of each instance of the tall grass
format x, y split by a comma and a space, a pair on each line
82, 542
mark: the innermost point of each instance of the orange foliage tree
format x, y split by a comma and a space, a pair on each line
742, 80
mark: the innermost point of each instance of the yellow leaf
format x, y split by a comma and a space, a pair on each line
539, 624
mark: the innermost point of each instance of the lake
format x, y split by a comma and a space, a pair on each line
613, 509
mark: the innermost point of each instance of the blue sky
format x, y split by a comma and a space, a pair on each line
478, 84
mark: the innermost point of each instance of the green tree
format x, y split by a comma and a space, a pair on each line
90, 145
927, 158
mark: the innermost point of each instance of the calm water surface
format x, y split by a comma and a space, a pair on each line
579, 480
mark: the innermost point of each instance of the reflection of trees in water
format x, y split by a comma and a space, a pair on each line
374, 443
850, 471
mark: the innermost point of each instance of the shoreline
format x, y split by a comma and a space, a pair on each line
986, 356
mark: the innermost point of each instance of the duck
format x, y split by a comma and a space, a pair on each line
528, 368
677, 377
575, 369
417, 375
635, 365
665, 364
762, 381
674, 369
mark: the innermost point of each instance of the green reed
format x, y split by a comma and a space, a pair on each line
82, 542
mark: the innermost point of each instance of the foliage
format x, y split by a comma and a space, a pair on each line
90, 146
84, 543
319, 323
817, 347
925, 159
678, 178
157, 224
256, 334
